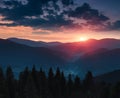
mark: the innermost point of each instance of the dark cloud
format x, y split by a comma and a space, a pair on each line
30, 14
87, 13
114, 26
51, 14
67, 2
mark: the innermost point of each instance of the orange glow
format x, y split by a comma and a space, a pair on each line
83, 39
65, 35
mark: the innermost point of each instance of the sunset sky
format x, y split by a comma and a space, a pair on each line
60, 20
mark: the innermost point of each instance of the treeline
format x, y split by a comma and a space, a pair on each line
36, 84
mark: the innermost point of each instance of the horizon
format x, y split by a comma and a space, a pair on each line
58, 20
81, 41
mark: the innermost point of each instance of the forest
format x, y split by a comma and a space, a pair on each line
37, 84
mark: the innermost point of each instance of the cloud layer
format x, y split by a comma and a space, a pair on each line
53, 15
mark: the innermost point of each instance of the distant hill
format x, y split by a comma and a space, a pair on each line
33, 43
100, 62
98, 56
21, 55
75, 50
72, 51
111, 77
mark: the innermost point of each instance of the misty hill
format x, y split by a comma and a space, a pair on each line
101, 61
33, 43
21, 55
75, 58
111, 77
72, 51
75, 50
103, 43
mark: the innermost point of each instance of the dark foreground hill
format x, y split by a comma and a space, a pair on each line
111, 77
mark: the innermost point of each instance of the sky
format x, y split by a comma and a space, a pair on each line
60, 20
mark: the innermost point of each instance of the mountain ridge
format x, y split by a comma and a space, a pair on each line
70, 57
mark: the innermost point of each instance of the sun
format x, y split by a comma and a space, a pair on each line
83, 39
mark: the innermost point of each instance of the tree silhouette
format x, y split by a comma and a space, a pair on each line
88, 85
42, 83
3, 89
69, 85
10, 82
88, 81
51, 83
77, 84
35, 77
116, 91
57, 84
30, 90
77, 87
37, 84
105, 91
63, 85
23, 81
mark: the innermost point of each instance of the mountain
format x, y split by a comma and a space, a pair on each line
19, 56
33, 43
28, 42
75, 50
100, 62
111, 77
72, 51
98, 56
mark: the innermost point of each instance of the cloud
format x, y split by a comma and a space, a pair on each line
41, 31
87, 13
113, 26
116, 25
67, 2
52, 15
40, 13
44, 33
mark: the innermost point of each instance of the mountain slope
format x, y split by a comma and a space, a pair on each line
100, 62
28, 42
72, 51
111, 77
33, 43
21, 55
78, 49
75, 58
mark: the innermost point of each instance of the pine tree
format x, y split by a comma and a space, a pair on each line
70, 85
77, 87
51, 83
88, 81
63, 85
35, 77
22, 82
106, 92
30, 90
77, 84
10, 82
116, 91
57, 88
43, 84
3, 89
88, 84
